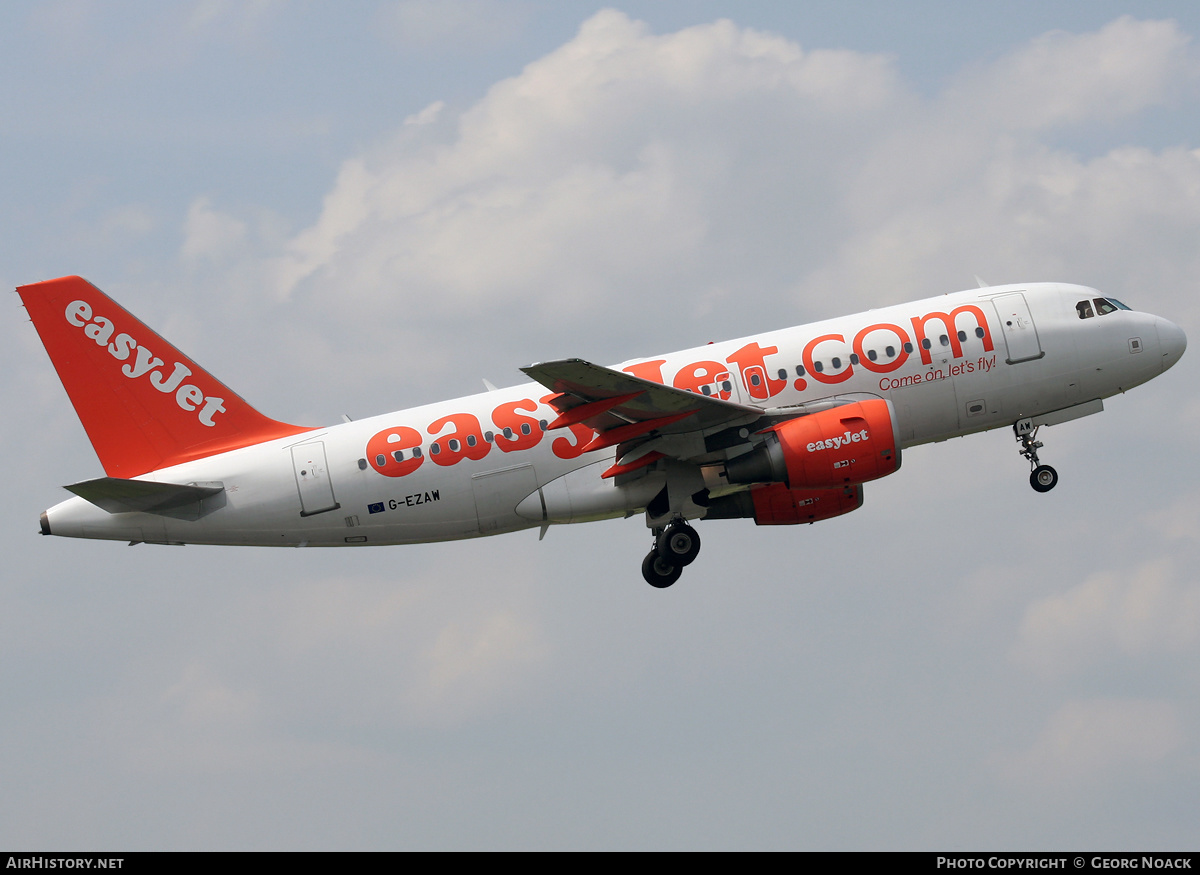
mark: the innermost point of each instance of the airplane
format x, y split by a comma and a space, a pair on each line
783, 427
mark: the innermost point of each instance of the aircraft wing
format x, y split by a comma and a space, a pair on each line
621, 407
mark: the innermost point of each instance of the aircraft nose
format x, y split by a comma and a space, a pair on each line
1171, 341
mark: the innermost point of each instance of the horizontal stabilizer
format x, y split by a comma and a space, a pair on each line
128, 496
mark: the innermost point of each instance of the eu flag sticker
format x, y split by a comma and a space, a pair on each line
377, 507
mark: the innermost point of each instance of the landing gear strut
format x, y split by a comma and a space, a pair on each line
674, 547
1042, 478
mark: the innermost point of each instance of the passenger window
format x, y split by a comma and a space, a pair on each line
962, 335
454, 445
837, 362
925, 344
854, 358
706, 389
381, 460
908, 347
872, 355
755, 380
489, 436
435, 448
818, 367
979, 332
891, 352
782, 374
398, 455
945, 341
799, 370
472, 440
525, 429
416, 452
1084, 309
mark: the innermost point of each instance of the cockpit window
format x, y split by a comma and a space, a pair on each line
1084, 308
1103, 307
1117, 304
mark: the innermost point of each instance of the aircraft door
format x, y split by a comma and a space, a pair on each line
1016, 322
312, 478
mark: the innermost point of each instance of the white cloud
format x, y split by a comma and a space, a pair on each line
1146, 611
1024, 212
1094, 740
632, 176
209, 234
1064, 78
626, 179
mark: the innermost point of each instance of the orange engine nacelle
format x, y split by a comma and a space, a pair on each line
850, 444
776, 505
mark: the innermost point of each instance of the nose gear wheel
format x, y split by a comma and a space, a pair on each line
1042, 478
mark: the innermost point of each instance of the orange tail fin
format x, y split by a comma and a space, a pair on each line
144, 404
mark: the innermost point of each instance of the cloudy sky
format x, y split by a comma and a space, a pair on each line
355, 208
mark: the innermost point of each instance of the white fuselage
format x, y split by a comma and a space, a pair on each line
997, 355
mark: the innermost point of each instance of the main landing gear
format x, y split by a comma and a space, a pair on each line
674, 547
1042, 478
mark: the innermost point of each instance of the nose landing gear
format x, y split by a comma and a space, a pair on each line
674, 547
1042, 478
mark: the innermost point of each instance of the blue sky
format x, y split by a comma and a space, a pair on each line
357, 208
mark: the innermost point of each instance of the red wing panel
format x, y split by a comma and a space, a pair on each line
143, 403
573, 415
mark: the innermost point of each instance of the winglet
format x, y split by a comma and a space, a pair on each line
143, 403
